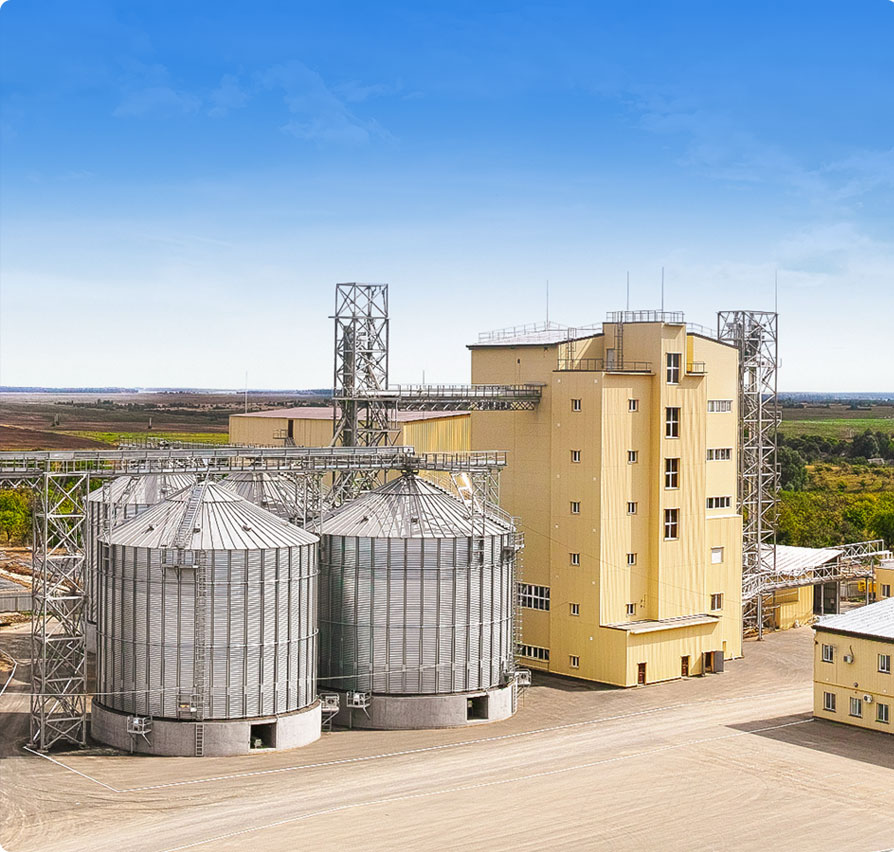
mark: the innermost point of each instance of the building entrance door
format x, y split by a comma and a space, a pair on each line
641, 673
684, 666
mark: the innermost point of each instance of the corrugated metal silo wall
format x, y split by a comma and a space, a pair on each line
415, 616
260, 631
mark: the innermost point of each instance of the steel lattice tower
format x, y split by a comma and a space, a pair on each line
755, 335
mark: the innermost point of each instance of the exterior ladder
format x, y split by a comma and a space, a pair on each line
200, 739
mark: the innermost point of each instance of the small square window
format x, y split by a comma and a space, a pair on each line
575, 558
882, 713
717, 601
575, 609
632, 456
575, 507
716, 555
857, 708
631, 508
631, 609
574, 661
576, 405
633, 405
828, 654
631, 559
575, 456
884, 663
829, 702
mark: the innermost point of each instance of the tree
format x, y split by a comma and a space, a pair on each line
865, 446
882, 525
793, 472
15, 516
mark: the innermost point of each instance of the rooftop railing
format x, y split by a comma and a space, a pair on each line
599, 365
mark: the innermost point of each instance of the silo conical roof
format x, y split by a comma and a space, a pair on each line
280, 494
409, 507
141, 489
223, 521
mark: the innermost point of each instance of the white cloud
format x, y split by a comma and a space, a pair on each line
229, 95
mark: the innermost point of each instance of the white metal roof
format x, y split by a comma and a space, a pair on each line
800, 561
141, 490
408, 507
276, 492
873, 620
225, 521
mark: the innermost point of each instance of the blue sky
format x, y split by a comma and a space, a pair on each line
183, 183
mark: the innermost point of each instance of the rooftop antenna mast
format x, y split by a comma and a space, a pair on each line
547, 304
662, 289
628, 289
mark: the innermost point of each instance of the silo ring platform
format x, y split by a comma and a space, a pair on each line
219, 737
424, 712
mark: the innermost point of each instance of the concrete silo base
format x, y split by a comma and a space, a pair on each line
222, 738
415, 712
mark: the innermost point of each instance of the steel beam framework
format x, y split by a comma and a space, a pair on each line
755, 335
61, 481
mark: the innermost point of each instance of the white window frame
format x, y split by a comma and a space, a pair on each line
856, 708
828, 653
672, 422
632, 405
720, 454
673, 363
534, 652
575, 456
577, 404
574, 661
631, 559
882, 714
632, 456
531, 596
575, 609
719, 502
717, 601
574, 558
720, 406
632, 507
671, 524
886, 590
829, 702
884, 663
631, 609
575, 507
716, 555
671, 473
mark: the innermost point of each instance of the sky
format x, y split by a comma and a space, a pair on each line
182, 184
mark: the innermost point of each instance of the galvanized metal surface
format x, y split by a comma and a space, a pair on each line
286, 496
421, 606
254, 605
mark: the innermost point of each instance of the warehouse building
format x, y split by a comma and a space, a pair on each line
852, 667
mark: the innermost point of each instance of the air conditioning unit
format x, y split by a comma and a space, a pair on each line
848, 658
867, 699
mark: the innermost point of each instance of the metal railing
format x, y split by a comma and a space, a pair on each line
674, 317
599, 365
696, 368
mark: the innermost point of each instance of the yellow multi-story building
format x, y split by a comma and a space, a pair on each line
624, 478
852, 680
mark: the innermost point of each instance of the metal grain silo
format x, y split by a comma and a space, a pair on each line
286, 496
207, 629
115, 501
416, 609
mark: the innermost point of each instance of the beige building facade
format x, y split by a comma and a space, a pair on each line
853, 654
624, 479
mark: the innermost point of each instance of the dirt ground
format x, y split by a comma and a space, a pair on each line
730, 761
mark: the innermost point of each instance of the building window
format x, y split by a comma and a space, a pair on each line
720, 454
673, 368
631, 609
717, 601
532, 652
575, 558
631, 508
857, 708
720, 502
671, 422
633, 405
716, 406
575, 456
828, 654
574, 661
829, 702
632, 456
884, 663
575, 405
881, 713
533, 597
575, 609
886, 590
716, 555
631, 559
671, 524
575, 507
671, 473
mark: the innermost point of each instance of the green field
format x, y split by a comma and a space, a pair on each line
835, 427
114, 438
